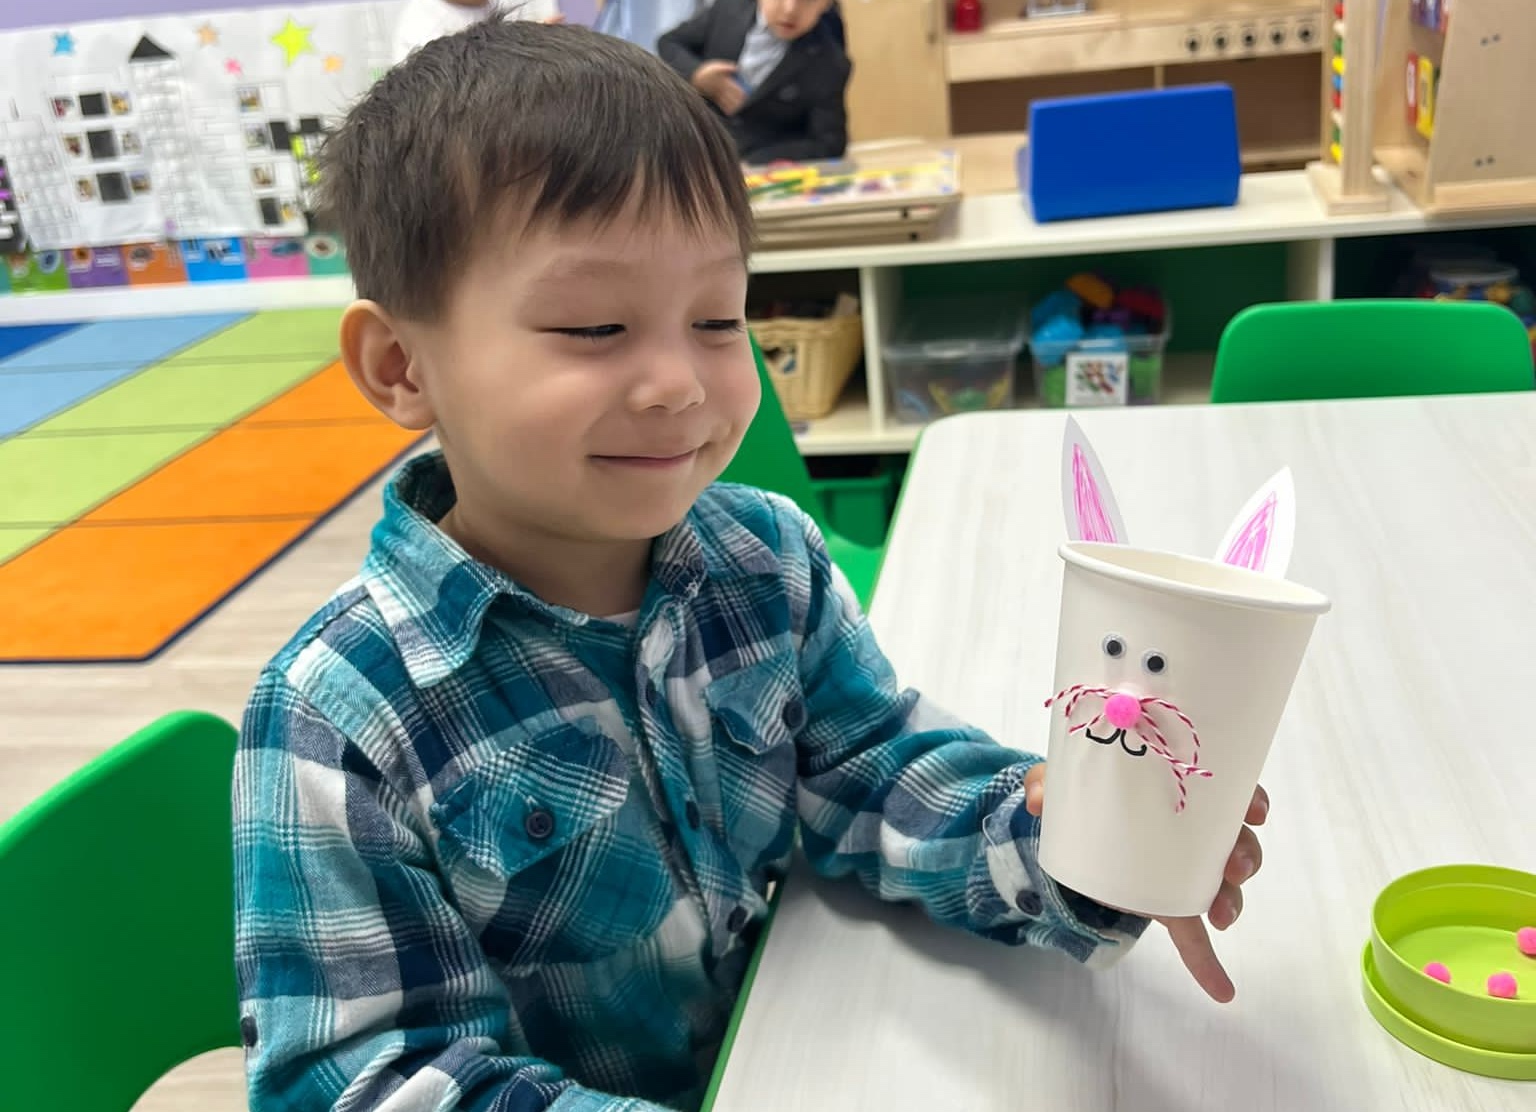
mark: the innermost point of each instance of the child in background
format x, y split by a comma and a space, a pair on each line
507, 808
775, 69
421, 21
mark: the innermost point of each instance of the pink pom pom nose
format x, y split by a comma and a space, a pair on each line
1525, 938
1503, 986
1122, 710
1438, 971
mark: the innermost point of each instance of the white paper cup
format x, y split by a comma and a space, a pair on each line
1231, 641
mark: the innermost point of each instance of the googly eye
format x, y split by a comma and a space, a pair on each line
1114, 646
1155, 663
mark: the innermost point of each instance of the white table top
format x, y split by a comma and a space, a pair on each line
1418, 518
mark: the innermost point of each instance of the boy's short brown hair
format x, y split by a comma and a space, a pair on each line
556, 123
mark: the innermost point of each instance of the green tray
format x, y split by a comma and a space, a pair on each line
1464, 916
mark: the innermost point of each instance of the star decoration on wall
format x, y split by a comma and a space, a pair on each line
293, 39
207, 35
234, 67
63, 43
333, 63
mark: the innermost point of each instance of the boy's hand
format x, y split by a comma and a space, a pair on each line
1189, 935
717, 81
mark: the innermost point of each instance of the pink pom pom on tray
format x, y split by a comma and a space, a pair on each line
1503, 986
1525, 938
1438, 971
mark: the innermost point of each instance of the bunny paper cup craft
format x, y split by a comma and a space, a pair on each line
1172, 673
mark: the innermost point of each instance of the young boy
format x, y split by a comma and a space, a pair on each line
421, 21
507, 808
774, 69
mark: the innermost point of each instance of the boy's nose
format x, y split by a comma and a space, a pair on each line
1122, 710
670, 383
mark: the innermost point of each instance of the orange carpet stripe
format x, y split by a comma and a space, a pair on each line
84, 595
130, 575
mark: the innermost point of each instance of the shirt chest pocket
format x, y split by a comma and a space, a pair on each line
756, 712
547, 858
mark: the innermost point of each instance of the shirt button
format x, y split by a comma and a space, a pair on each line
248, 1030
1028, 901
794, 715
539, 824
691, 812
737, 920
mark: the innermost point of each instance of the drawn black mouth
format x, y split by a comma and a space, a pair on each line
1118, 735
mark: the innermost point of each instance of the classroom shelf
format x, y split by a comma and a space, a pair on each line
1275, 208
850, 429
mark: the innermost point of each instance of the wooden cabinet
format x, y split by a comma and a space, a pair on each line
900, 86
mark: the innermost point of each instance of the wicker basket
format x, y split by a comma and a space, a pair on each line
809, 361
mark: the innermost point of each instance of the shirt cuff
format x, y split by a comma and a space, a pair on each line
1096, 935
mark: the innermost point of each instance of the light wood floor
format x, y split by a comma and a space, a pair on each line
54, 719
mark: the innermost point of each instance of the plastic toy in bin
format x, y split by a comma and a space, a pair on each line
1172, 673
1095, 344
953, 355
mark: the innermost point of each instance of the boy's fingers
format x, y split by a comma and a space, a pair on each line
1034, 790
1246, 859
1258, 809
1193, 943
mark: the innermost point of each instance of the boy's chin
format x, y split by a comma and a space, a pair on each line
644, 523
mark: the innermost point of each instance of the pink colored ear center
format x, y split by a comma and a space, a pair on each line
1122, 710
1092, 519
1250, 547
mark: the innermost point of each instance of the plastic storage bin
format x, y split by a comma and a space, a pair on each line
953, 355
859, 507
1094, 365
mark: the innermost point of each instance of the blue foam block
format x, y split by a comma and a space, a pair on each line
1123, 153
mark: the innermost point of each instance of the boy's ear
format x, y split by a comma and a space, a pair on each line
378, 358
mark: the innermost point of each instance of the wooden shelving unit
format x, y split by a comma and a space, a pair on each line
914, 78
1274, 208
1480, 155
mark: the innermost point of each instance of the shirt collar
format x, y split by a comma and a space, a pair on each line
433, 596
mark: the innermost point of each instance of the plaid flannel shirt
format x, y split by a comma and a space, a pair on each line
494, 854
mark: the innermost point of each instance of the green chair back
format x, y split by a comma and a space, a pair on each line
1305, 351
770, 459
117, 959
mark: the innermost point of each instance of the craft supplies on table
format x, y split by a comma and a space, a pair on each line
898, 195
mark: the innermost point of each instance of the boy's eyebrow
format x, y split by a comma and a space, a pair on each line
570, 268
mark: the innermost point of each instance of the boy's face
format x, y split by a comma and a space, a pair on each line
790, 19
587, 383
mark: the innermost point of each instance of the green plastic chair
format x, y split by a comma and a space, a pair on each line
1316, 350
117, 922
770, 459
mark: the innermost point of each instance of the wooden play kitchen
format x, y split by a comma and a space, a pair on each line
932, 69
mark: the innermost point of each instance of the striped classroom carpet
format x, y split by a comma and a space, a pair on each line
154, 466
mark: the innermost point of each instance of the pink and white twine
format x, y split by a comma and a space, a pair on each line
1145, 728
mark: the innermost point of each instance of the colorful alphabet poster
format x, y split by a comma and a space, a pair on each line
200, 129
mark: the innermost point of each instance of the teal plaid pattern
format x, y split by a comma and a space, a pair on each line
496, 855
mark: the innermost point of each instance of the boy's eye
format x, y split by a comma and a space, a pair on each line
597, 332
733, 325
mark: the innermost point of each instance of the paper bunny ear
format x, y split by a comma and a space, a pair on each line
1086, 500
1261, 536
